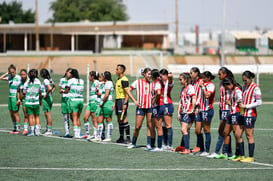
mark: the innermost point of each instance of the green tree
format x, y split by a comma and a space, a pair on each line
92, 10
14, 12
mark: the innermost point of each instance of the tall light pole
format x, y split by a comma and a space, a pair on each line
176, 23
222, 61
36, 27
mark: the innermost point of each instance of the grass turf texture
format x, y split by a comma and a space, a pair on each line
47, 158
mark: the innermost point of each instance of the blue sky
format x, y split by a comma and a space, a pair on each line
240, 14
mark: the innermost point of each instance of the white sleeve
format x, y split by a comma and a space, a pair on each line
134, 84
210, 88
46, 82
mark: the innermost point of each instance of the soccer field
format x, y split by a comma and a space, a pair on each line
56, 158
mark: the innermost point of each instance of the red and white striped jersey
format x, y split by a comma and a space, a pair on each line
198, 91
224, 96
167, 92
207, 104
143, 92
186, 98
157, 86
235, 97
251, 94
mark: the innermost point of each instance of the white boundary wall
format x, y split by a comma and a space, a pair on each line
236, 69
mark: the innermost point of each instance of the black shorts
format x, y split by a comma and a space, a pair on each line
119, 107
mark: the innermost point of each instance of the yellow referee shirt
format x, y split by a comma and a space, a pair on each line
121, 84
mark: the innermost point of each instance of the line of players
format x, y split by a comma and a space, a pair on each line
153, 101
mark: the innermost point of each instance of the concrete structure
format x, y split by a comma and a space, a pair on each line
84, 36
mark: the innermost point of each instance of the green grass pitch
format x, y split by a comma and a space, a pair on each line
53, 158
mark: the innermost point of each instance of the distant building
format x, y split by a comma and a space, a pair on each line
84, 36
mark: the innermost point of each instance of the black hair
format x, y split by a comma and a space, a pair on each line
107, 75
248, 74
208, 74
32, 74
67, 70
186, 76
144, 71
123, 67
23, 70
95, 74
164, 72
156, 75
45, 74
196, 70
11, 67
226, 71
229, 80
75, 74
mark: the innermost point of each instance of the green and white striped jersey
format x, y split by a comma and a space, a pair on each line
32, 91
76, 89
21, 85
47, 82
100, 90
108, 86
63, 84
14, 83
93, 88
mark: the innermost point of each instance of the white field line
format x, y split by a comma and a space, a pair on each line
136, 169
175, 103
144, 127
269, 166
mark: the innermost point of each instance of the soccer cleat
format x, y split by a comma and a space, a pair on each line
204, 153
167, 147
239, 158
16, 132
156, 149
84, 136
13, 132
76, 137
97, 139
31, 134
213, 155
131, 146
232, 157
247, 160
195, 149
48, 133
67, 136
107, 140
148, 148
90, 137
179, 149
25, 132
221, 156
120, 140
185, 152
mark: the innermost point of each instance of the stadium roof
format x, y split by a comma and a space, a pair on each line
246, 35
86, 27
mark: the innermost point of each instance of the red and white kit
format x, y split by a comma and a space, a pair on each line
143, 91
185, 98
166, 95
224, 96
251, 95
235, 97
207, 104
